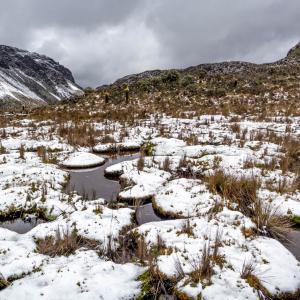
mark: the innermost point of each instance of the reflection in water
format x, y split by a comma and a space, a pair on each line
92, 184
21, 225
294, 244
146, 214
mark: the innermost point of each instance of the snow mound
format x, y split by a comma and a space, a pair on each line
83, 160
114, 147
81, 276
185, 198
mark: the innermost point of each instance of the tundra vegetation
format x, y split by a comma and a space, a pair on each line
219, 161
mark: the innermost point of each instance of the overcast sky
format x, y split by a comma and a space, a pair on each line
102, 40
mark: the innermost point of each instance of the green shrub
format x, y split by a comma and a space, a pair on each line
171, 77
148, 149
187, 80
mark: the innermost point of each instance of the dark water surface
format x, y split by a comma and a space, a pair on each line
146, 214
92, 184
294, 244
21, 225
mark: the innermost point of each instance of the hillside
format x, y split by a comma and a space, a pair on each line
216, 80
259, 90
31, 79
185, 184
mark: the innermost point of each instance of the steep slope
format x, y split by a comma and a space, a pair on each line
294, 53
29, 79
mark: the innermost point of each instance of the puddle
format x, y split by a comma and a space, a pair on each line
294, 244
21, 225
146, 214
92, 184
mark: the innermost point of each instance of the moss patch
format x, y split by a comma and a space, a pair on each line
3, 283
296, 220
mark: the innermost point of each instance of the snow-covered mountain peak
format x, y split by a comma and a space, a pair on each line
29, 78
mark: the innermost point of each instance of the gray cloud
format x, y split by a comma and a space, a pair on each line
101, 40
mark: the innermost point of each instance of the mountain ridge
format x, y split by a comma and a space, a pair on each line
227, 67
30, 79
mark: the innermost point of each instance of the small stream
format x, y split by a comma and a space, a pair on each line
92, 184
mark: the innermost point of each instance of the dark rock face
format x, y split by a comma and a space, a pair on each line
30, 78
294, 53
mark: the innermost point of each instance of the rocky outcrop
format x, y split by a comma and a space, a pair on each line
294, 53
32, 79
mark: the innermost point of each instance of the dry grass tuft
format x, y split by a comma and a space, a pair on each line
64, 243
186, 228
270, 222
141, 163
248, 273
22, 152
202, 266
3, 282
242, 191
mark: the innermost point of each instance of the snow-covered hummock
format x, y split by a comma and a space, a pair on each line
80, 276
140, 184
22, 183
184, 198
154, 162
113, 147
276, 268
17, 251
83, 160
143, 184
88, 223
165, 146
288, 204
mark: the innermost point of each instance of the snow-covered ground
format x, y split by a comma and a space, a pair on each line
83, 160
174, 174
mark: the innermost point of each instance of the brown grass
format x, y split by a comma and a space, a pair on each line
186, 228
270, 222
2, 149
141, 163
166, 164
3, 282
202, 266
64, 243
242, 191
248, 273
22, 152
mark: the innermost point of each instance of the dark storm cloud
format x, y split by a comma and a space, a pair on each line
101, 40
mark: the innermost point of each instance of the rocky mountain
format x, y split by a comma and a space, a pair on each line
31, 79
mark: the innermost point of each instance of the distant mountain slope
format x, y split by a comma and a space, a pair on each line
32, 79
244, 70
